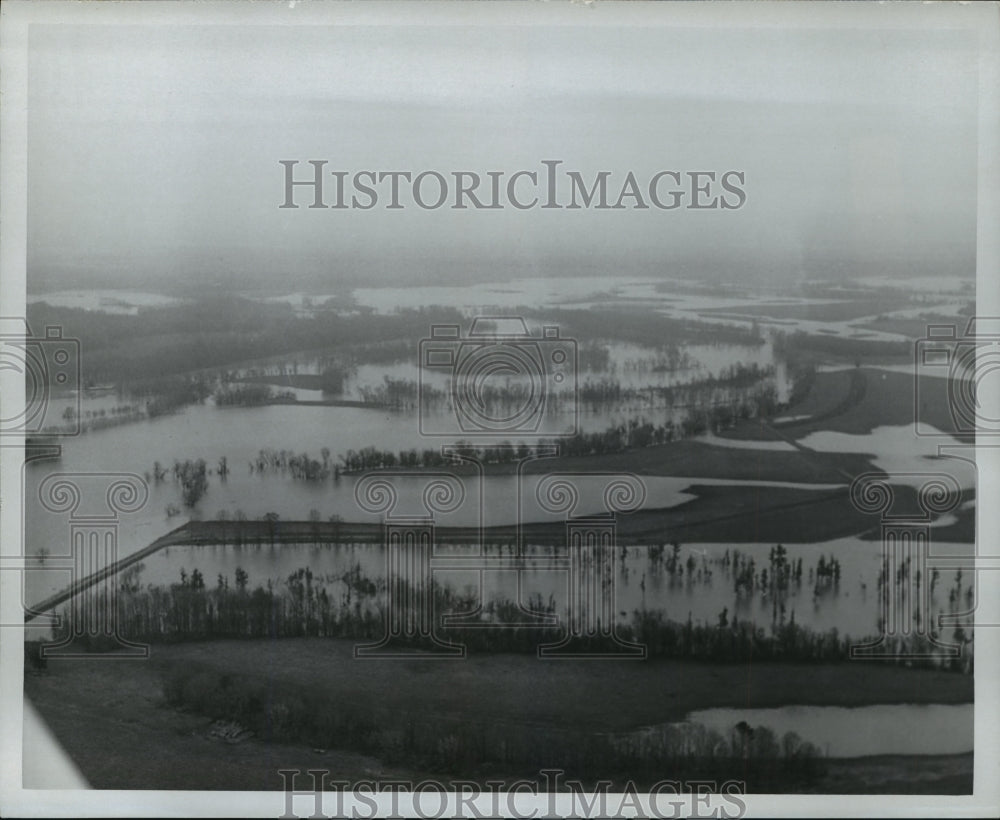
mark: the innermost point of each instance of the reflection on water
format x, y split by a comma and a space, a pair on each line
209, 433
632, 366
701, 582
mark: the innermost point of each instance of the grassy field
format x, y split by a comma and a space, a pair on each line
114, 721
857, 401
887, 398
744, 515
111, 720
698, 459
854, 401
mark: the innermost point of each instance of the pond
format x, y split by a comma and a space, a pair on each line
859, 731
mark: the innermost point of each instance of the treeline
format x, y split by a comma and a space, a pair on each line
634, 434
101, 413
782, 576
145, 399
250, 395
498, 400
396, 393
781, 573
298, 465
595, 357
167, 394
217, 331
330, 380
97, 419
637, 433
615, 439
304, 605
351, 605
289, 712
596, 393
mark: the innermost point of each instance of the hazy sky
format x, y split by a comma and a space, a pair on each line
154, 150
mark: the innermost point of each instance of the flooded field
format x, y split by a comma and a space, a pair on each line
232, 440
718, 419
698, 582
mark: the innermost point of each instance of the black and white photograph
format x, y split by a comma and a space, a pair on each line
563, 409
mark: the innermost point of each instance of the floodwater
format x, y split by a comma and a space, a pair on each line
702, 589
909, 458
239, 433
211, 433
632, 366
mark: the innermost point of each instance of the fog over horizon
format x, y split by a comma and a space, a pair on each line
154, 152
